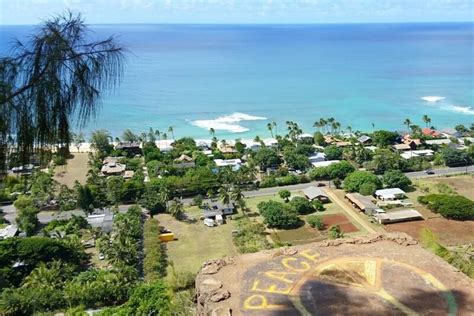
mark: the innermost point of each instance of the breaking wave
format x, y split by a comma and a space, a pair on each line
228, 122
459, 109
432, 98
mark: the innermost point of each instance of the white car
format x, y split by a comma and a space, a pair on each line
209, 222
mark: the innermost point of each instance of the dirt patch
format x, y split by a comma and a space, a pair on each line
449, 232
462, 184
341, 220
384, 274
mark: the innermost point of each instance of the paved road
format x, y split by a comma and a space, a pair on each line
275, 190
441, 172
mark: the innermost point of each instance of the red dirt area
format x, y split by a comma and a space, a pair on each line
342, 221
449, 232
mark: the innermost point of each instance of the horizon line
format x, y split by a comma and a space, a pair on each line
263, 23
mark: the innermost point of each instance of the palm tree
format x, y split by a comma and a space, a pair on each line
171, 130
427, 120
407, 122
158, 134
212, 131
165, 136
237, 194
275, 128
349, 129
224, 195
270, 128
151, 135
45, 277
318, 125
323, 124
176, 208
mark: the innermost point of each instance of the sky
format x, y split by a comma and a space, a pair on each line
240, 11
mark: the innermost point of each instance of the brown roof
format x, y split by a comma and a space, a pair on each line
363, 202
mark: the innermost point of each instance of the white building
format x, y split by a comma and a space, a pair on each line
417, 153
318, 157
390, 194
227, 162
8, 232
324, 163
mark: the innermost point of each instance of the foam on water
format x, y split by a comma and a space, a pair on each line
228, 122
432, 98
459, 109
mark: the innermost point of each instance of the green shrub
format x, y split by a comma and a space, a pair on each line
449, 206
278, 215
355, 180
301, 205
155, 261
316, 221
250, 237
335, 232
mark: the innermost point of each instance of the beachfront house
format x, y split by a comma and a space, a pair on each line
402, 147
314, 193
215, 208
451, 132
131, 148
390, 194
398, 216
430, 132
361, 202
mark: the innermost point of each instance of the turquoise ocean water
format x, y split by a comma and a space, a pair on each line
237, 78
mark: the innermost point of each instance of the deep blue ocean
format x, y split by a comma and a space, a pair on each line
237, 78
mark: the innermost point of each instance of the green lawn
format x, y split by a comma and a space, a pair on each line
197, 243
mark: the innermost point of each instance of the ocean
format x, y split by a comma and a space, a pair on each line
238, 78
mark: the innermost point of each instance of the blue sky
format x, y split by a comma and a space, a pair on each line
240, 11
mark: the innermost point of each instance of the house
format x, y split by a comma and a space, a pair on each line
363, 203
164, 145
318, 157
343, 144
417, 153
371, 148
402, 147
183, 162
314, 193
251, 145
128, 174
398, 216
324, 163
112, 169
8, 231
270, 142
390, 194
430, 132
103, 221
306, 137
228, 162
131, 148
438, 142
364, 139
212, 209
451, 132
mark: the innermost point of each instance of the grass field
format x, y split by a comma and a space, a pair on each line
75, 169
196, 243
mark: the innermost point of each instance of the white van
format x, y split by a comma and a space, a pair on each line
209, 222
